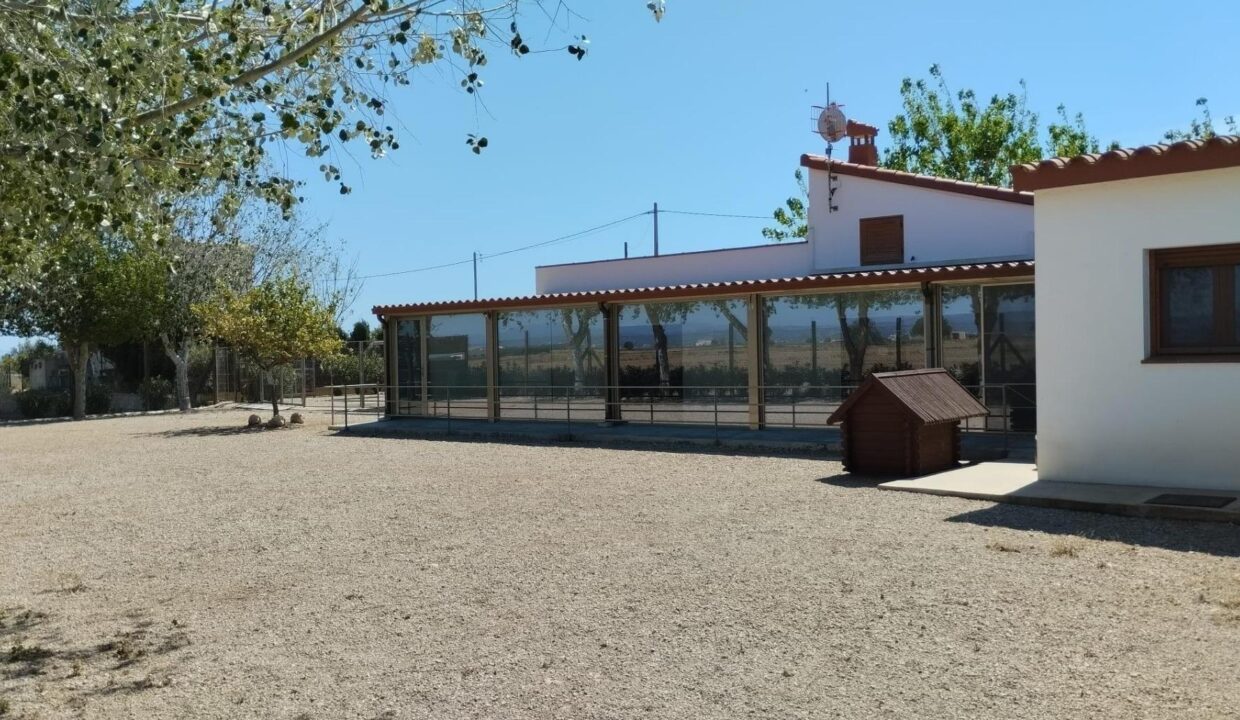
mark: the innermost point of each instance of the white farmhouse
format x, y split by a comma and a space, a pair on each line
860, 216
1138, 306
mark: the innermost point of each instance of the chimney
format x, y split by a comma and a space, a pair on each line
861, 147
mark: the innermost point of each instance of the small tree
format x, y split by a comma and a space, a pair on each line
360, 333
793, 223
90, 290
273, 324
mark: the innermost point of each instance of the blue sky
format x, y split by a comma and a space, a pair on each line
709, 111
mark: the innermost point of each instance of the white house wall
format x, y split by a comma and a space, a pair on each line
1103, 415
763, 261
939, 226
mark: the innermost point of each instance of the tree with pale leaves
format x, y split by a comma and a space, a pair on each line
109, 107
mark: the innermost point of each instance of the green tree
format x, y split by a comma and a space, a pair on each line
360, 332
273, 324
1202, 127
791, 221
90, 291
956, 135
216, 244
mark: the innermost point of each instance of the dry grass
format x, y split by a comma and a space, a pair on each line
1222, 592
1065, 548
69, 583
170, 567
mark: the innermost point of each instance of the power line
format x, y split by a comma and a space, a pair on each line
565, 238
560, 239
719, 215
416, 270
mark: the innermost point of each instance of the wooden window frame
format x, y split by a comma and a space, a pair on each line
861, 236
1221, 259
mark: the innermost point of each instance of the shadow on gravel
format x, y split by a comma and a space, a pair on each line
1219, 539
573, 441
208, 431
848, 481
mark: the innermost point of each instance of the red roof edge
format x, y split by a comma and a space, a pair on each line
859, 278
1216, 153
989, 192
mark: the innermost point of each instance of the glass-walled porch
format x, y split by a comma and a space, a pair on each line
745, 360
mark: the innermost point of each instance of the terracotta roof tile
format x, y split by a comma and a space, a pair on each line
1020, 268
1221, 151
991, 192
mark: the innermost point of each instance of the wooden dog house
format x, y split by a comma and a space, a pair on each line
905, 423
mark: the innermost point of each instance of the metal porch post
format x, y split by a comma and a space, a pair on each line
756, 329
424, 381
391, 390
492, 321
611, 362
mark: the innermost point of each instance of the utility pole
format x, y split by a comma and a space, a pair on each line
656, 229
475, 275
626, 249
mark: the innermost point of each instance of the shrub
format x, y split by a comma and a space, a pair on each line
156, 393
42, 403
98, 400
59, 403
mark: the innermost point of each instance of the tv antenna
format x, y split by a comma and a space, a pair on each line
832, 126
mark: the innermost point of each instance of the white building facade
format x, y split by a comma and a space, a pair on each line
1138, 305
942, 222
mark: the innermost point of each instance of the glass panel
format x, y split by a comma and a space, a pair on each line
961, 340
821, 346
409, 367
680, 362
551, 364
457, 365
1008, 321
1009, 325
1189, 319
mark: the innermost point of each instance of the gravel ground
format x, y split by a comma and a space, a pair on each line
173, 567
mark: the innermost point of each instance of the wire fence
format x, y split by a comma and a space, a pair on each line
307, 382
1011, 408
135, 378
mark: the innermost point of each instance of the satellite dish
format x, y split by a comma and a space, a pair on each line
832, 125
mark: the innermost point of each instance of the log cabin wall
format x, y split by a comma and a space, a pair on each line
878, 437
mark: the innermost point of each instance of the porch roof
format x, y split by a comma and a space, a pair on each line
828, 281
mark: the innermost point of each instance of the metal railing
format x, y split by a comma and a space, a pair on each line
1011, 407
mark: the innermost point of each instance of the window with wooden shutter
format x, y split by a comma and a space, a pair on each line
882, 240
1195, 303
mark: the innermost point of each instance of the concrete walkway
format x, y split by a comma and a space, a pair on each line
823, 442
1018, 483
